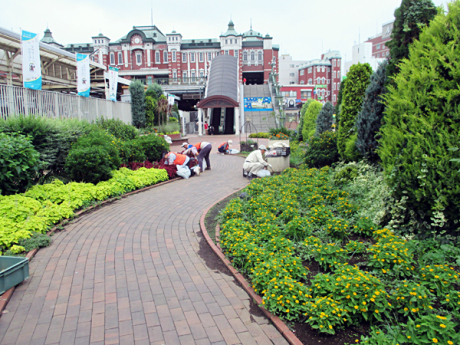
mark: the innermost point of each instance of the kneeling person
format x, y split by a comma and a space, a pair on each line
255, 162
172, 158
225, 147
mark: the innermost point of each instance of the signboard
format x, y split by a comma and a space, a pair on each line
258, 104
320, 86
83, 78
171, 99
113, 83
31, 67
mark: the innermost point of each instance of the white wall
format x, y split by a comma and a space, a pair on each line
362, 53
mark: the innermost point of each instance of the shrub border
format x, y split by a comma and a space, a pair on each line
4, 299
282, 328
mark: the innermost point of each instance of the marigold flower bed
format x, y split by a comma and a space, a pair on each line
299, 220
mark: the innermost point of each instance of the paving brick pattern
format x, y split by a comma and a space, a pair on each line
131, 273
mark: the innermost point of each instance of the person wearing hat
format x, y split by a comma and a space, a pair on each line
255, 162
225, 147
201, 150
172, 158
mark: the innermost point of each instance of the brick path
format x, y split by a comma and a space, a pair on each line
131, 273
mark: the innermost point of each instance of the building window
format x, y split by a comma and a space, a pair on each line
260, 56
378, 46
253, 56
309, 70
173, 56
245, 56
293, 74
177, 38
302, 82
201, 73
138, 58
305, 94
174, 75
201, 57
334, 86
310, 81
322, 69
209, 56
226, 52
226, 41
292, 93
333, 98
333, 74
301, 72
165, 56
112, 58
231, 41
333, 63
318, 80
120, 58
157, 57
318, 69
235, 53
291, 66
338, 86
328, 81
184, 57
192, 57
192, 75
184, 75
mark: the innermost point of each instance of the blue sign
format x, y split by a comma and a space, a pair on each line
258, 104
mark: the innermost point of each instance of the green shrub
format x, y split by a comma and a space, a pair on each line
351, 153
170, 127
153, 146
19, 163
284, 130
261, 135
118, 128
154, 90
52, 138
173, 119
346, 174
36, 240
353, 96
422, 123
89, 164
322, 150
309, 120
132, 151
302, 116
150, 106
136, 89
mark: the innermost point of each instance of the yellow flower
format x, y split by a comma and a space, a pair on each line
435, 340
442, 325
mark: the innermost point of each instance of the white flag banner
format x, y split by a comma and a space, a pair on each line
113, 83
83, 77
31, 68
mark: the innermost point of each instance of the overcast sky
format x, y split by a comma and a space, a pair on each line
302, 28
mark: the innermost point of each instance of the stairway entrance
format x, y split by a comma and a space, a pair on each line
254, 78
222, 119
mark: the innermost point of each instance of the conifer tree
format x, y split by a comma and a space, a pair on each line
325, 119
309, 121
410, 18
421, 124
339, 99
302, 114
136, 89
353, 95
369, 119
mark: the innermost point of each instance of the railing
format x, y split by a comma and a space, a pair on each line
18, 100
180, 81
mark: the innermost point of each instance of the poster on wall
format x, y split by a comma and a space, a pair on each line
258, 104
113, 83
83, 78
31, 68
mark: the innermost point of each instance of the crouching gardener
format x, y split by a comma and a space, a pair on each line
201, 150
255, 162
225, 147
172, 158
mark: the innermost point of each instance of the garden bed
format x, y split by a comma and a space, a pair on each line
333, 277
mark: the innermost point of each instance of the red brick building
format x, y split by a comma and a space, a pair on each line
147, 54
379, 48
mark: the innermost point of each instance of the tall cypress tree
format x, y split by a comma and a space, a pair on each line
309, 121
136, 89
369, 119
302, 114
339, 99
325, 119
353, 95
410, 18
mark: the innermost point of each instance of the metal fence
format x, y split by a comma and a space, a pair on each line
18, 100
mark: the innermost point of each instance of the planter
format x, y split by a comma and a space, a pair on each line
271, 142
13, 270
174, 136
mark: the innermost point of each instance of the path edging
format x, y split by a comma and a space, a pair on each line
282, 328
5, 297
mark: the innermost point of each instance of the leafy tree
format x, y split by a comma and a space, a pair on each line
154, 90
338, 106
309, 122
150, 108
325, 119
136, 89
421, 123
369, 119
410, 18
302, 114
353, 94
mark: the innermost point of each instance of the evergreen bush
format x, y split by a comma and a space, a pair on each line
132, 151
410, 18
370, 117
351, 153
421, 123
302, 114
353, 94
153, 146
325, 119
309, 120
338, 106
136, 89
150, 108
322, 150
118, 128
20, 163
89, 164
154, 90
